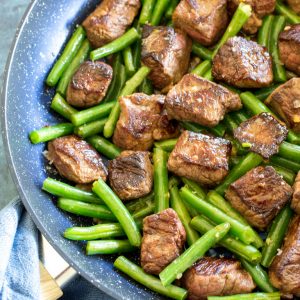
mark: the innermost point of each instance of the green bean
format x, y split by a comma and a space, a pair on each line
161, 191
171, 8
250, 161
130, 86
49, 133
146, 87
104, 146
286, 163
117, 45
176, 268
259, 275
90, 129
208, 75
287, 175
202, 68
61, 189
66, 57
201, 51
264, 31
239, 230
136, 49
240, 17
144, 212
252, 296
103, 191
218, 130
234, 160
85, 209
240, 116
177, 204
230, 123
248, 252
290, 151
158, 11
128, 61
284, 10
61, 106
92, 114
278, 68
79, 58
138, 204
146, 11
195, 187
276, 235
166, 145
108, 247
151, 282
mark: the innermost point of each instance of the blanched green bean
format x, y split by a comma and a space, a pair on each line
61, 106
90, 129
108, 247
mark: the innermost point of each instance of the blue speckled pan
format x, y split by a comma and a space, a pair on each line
42, 33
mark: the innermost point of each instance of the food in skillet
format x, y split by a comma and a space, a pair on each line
184, 164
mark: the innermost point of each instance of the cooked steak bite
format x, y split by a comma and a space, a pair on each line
142, 120
216, 277
296, 195
167, 52
289, 47
163, 240
263, 133
285, 268
89, 84
200, 157
76, 160
260, 8
243, 64
131, 174
110, 20
295, 5
259, 195
201, 101
205, 21
285, 101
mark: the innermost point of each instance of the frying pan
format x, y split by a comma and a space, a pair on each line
45, 28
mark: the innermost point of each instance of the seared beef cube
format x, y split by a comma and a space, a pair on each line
295, 5
201, 101
289, 47
166, 51
76, 160
243, 63
205, 21
89, 84
142, 120
131, 174
263, 133
296, 195
163, 240
200, 157
216, 277
285, 101
110, 20
260, 8
285, 268
259, 195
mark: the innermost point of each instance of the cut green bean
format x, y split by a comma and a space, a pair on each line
61, 189
240, 116
161, 190
240, 17
108, 247
259, 275
92, 114
136, 53
151, 282
202, 68
86, 209
146, 87
166, 145
239, 230
128, 61
177, 267
218, 130
195, 187
103, 191
278, 25
79, 58
208, 75
264, 31
202, 52
230, 123
287, 175
248, 252
90, 129
158, 11
66, 57
252, 296
49, 133
171, 8
130, 86
146, 11
290, 151
284, 10
264, 93
177, 204
250, 161
61, 106
117, 45
276, 235
104, 146
285, 163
